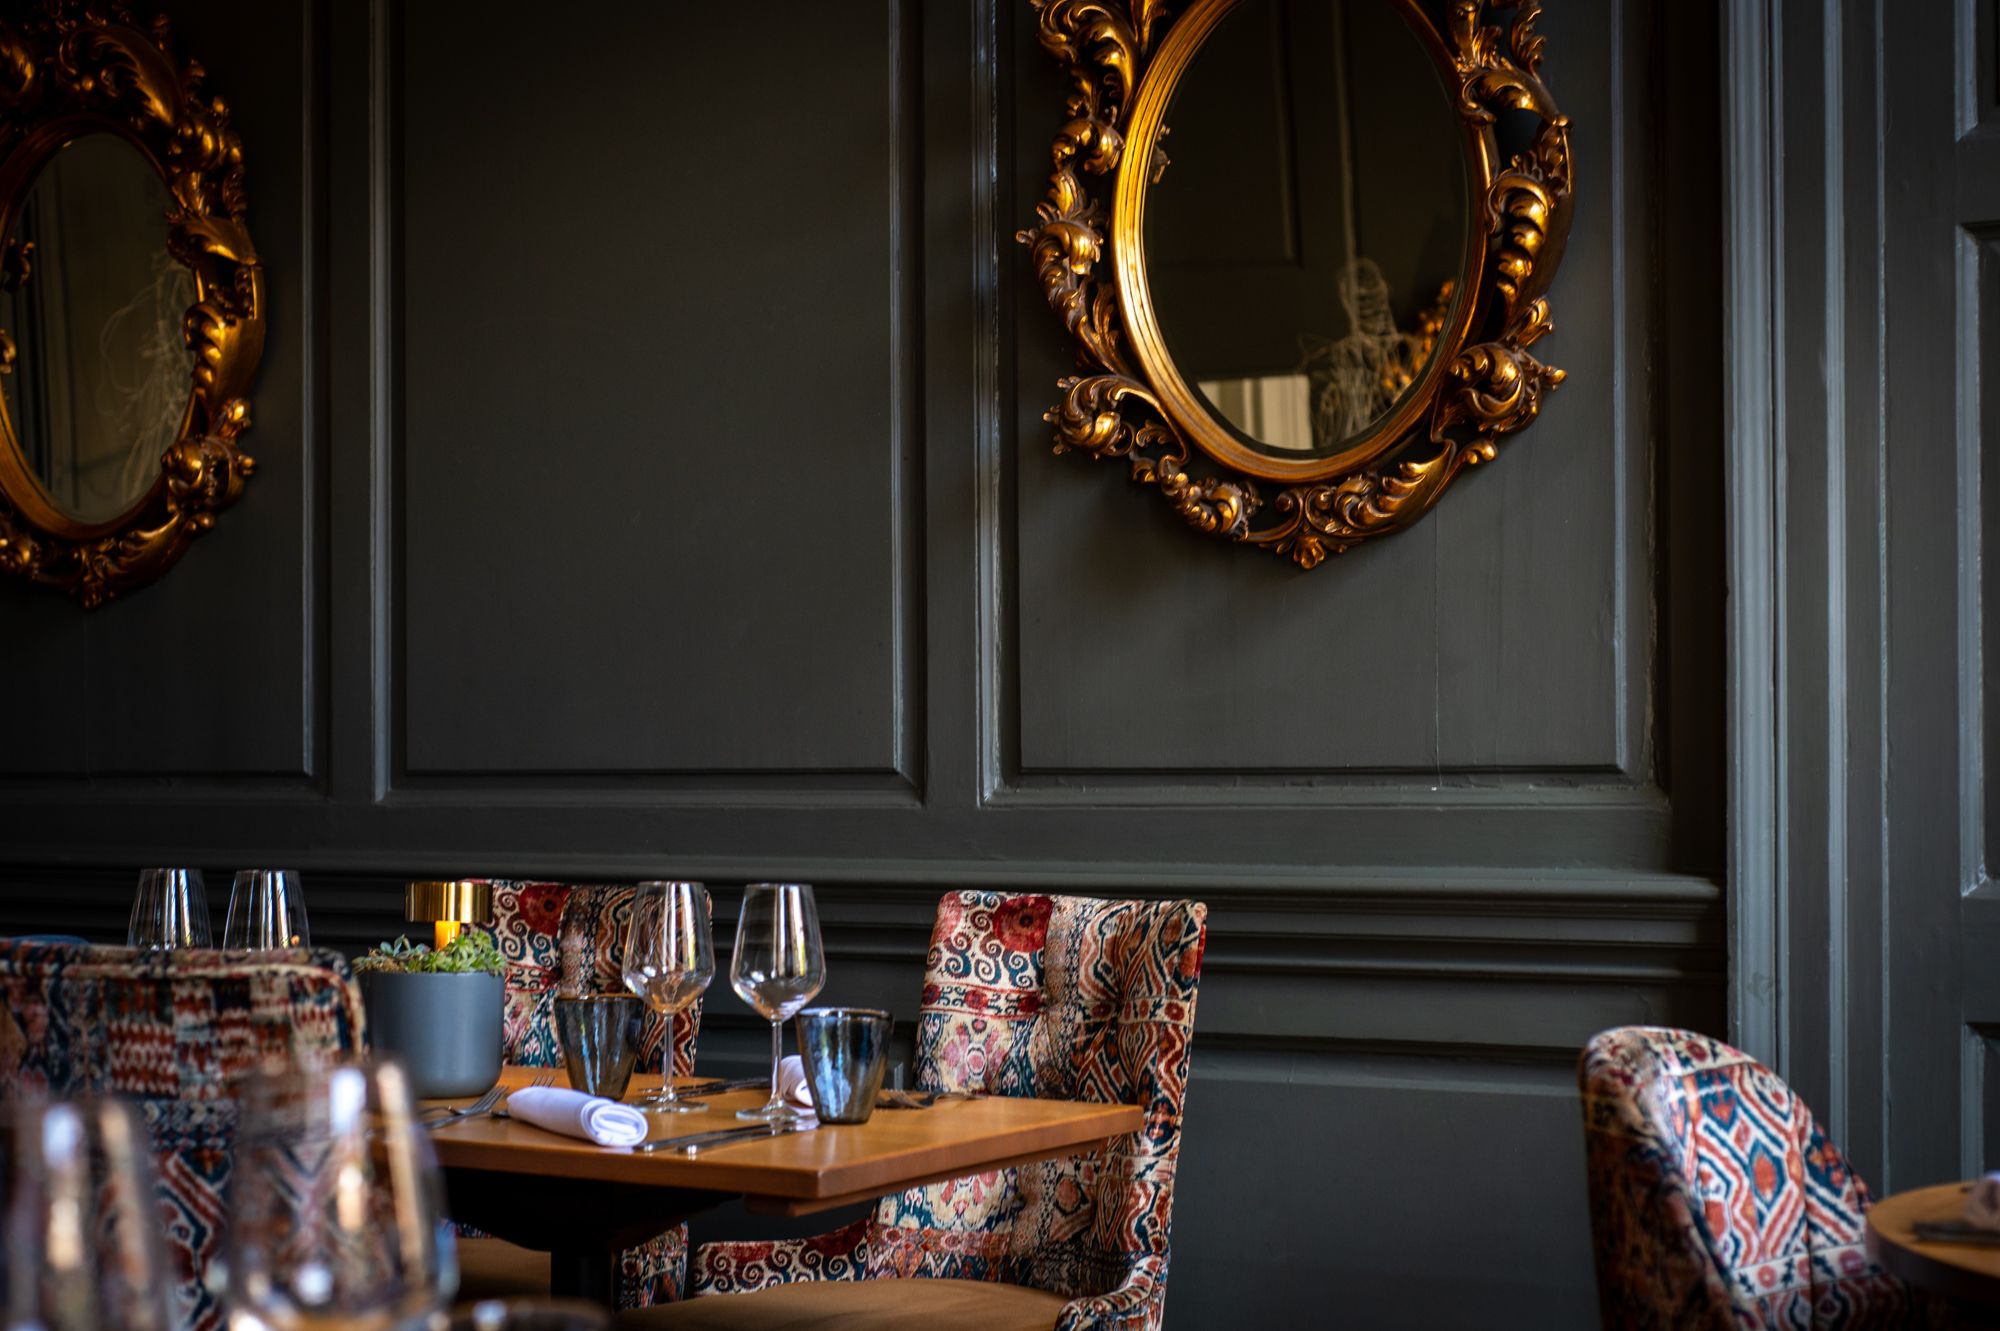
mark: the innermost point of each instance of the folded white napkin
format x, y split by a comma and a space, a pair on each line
792, 1081
1982, 1204
574, 1114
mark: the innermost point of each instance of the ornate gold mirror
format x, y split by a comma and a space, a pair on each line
1304, 303
131, 302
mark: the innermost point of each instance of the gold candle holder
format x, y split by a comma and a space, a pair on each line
449, 906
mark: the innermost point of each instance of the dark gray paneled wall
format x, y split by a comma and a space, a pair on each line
652, 480
1864, 216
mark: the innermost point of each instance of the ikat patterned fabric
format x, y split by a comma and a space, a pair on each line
1716, 1203
172, 1032
570, 938
1064, 997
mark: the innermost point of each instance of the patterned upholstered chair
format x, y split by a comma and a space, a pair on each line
1716, 1203
561, 937
173, 1032
1033, 996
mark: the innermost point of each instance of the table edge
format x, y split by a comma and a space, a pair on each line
1921, 1266
824, 1188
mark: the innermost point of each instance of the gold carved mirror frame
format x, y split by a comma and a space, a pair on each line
1124, 62
82, 67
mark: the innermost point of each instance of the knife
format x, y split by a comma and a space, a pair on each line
716, 1085
1955, 1231
694, 1141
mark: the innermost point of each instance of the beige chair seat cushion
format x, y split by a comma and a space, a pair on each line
859, 1305
496, 1269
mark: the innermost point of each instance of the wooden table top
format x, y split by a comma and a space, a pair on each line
1963, 1271
801, 1172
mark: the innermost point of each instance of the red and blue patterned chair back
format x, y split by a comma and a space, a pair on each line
173, 1032
1050, 996
1716, 1203
570, 938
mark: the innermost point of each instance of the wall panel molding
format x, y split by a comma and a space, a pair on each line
86, 720
721, 740
1752, 459
628, 835
1079, 704
1858, 806
1463, 787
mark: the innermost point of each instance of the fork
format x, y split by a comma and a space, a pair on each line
541, 1080
479, 1106
500, 1110
487, 1103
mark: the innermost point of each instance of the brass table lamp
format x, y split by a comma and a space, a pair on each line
449, 906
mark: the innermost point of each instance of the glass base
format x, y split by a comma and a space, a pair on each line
674, 1106
775, 1111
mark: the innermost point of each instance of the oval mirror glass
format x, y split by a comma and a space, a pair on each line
1305, 242
101, 374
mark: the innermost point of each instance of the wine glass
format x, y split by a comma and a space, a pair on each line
81, 1231
267, 909
669, 961
777, 967
170, 911
336, 1217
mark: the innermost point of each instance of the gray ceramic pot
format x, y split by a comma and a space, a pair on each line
443, 1029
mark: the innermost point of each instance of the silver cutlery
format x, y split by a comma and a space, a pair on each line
696, 1141
895, 1099
490, 1103
717, 1086
479, 1106
1955, 1231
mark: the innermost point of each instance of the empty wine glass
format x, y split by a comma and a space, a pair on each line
669, 961
336, 1221
170, 911
777, 967
267, 909
81, 1231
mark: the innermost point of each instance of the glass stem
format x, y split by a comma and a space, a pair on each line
777, 1057
667, 1095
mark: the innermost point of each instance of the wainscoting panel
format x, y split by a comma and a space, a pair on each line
1976, 625
135, 688
1143, 648
1389, 1174
656, 354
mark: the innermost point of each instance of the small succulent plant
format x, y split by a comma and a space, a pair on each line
471, 953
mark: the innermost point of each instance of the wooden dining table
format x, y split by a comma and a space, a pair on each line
583, 1203
1967, 1275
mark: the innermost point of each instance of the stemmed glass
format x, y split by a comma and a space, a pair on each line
669, 962
170, 911
777, 967
82, 1226
267, 909
336, 1218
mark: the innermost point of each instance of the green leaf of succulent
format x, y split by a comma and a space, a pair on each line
473, 952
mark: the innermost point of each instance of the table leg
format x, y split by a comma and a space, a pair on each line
582, 1224
584, 1273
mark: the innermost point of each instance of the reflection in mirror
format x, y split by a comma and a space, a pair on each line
1304, 243
99, 385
